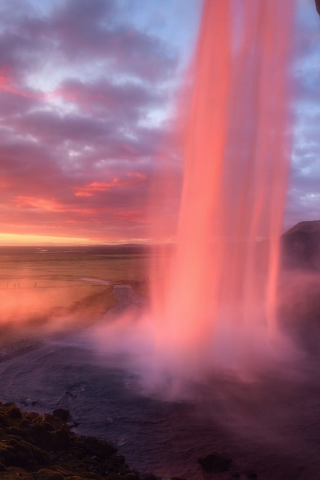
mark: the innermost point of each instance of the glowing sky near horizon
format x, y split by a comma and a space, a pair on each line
87, 96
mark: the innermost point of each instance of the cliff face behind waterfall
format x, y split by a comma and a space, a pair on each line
301, 245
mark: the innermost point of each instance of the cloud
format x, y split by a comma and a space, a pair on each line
78, 85
86, 94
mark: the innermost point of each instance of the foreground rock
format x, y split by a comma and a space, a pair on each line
42, 447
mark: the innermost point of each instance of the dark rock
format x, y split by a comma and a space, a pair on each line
14, 412
32, 465
215, 462
39, 435
19, 432
4, 421
93, 446
45, 474
23, 453
10, 459
41, 456
177, 478
48, 426
60, 439
31, 416
24, 423
62, 413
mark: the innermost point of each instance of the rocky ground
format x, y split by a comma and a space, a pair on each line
43, 447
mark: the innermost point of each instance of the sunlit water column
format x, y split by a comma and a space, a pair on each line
220, 292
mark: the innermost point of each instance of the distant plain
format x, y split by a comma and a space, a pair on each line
61, 288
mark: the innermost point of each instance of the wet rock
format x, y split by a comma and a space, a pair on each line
215, 462
62, 413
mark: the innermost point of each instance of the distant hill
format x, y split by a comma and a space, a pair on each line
301, 245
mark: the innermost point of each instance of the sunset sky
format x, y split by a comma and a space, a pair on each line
87, 97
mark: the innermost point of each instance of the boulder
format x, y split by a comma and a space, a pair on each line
14, 412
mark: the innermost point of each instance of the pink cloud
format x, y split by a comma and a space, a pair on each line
135, 178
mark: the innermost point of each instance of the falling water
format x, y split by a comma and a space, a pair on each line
219, 295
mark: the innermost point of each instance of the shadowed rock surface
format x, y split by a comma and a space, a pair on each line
42, 447
301, 245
